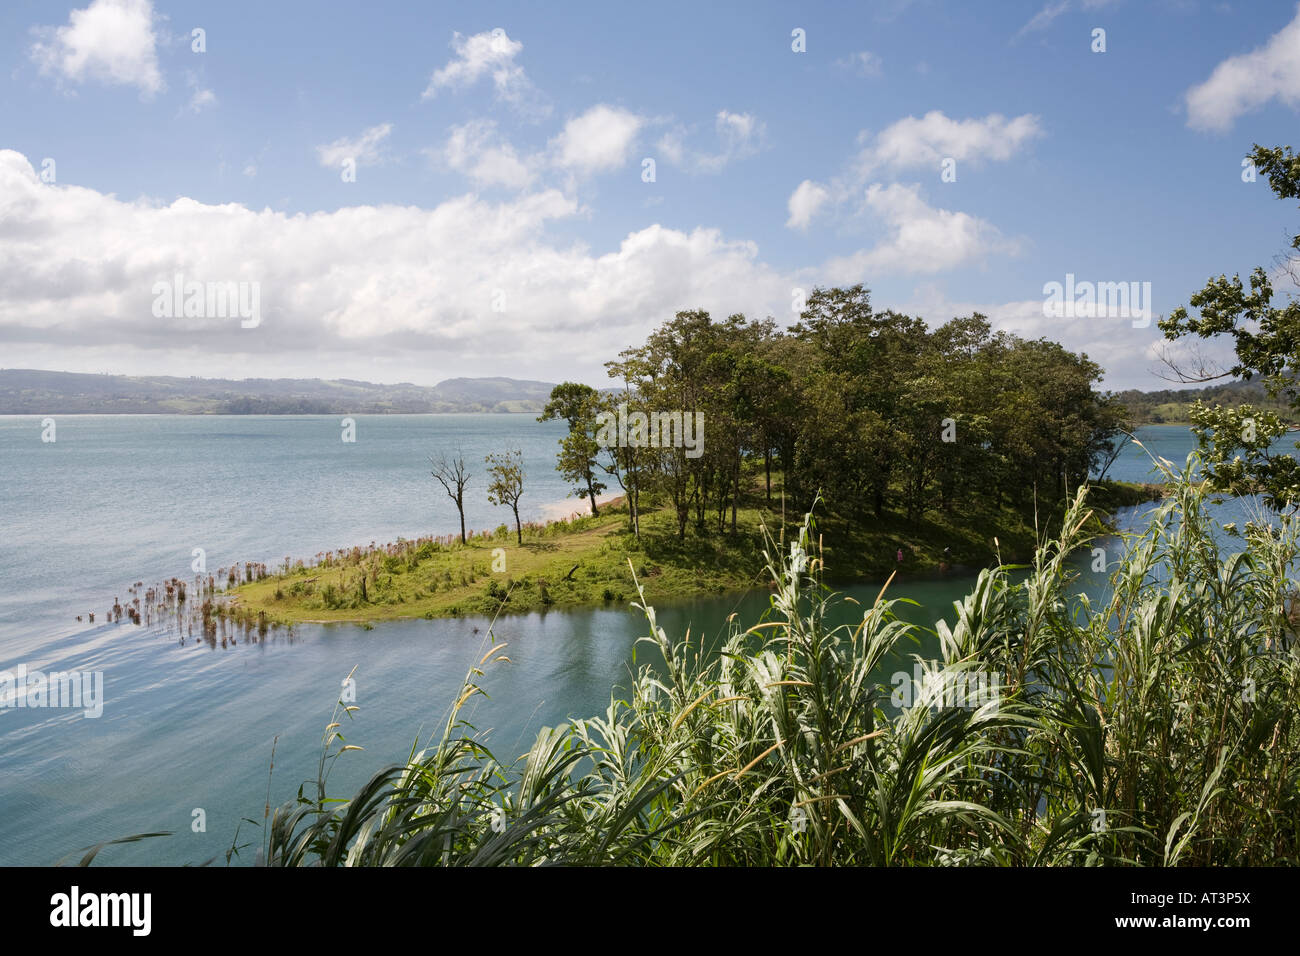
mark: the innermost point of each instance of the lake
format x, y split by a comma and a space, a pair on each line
119, 499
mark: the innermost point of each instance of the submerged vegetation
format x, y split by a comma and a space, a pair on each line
1155, 727
178, 609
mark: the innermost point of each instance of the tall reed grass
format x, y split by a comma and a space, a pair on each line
1155, 726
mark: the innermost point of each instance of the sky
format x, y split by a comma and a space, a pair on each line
413, 192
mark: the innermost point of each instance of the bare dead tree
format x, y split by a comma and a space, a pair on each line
453, 475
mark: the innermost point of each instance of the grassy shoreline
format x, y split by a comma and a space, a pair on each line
587, 561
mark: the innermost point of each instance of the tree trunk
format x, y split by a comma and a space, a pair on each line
519, 532
767, 470
592, 495
461, 508
735, 498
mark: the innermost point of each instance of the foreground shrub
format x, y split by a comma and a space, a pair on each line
1157, 727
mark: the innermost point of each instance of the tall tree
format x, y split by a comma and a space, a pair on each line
1237, 443
453, 475
506, 486
765, 400
626, 464
578, 405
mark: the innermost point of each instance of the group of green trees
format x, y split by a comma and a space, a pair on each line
873, 410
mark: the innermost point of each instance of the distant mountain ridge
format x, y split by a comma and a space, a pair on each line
37, 392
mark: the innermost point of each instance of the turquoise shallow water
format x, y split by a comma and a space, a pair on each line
120, 499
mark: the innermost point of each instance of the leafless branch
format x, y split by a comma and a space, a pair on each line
1199, 368
453, 475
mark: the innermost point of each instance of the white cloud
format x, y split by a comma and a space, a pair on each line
250, 170
1044, 17
672, 146
739, 135
1053, 9
921, 238
600, 139
928, 140
476, 150
1248, 81
909, 143
402, 288
111, 41
596, 141
201, 100
365, 149
863, 63
491, 53
804, 203
200, 97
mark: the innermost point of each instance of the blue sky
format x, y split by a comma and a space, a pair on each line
499, 221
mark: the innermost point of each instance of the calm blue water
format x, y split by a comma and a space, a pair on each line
118, 499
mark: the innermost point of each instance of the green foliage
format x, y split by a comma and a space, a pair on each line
1157, 728
334, 598
872, 409
1173, 407
1266, 338
578, 405
1225, 434
506, 483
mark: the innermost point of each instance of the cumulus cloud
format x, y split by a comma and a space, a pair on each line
596, 141
804, 202
1246, 82
912, 142
739, 135
491, 53
920, 238
599, 139
110, 41
364, 150
478, 151
356, 287
928, 140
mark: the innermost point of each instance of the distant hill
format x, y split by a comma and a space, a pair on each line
1172, 405
35, 392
